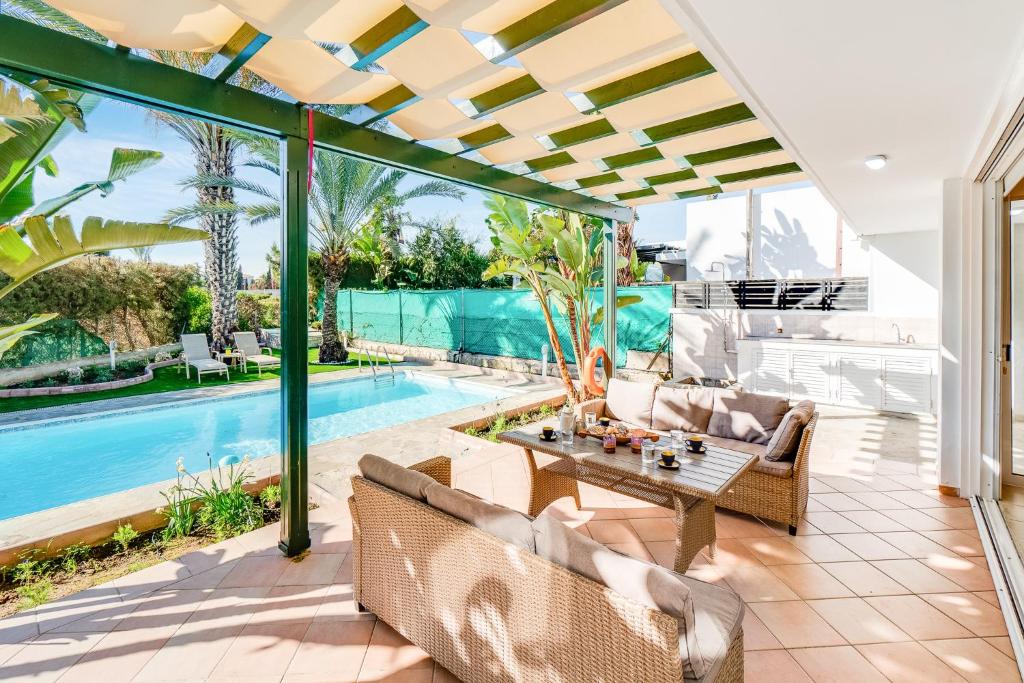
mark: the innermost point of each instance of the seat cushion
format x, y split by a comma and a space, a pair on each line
682, 407
786, 439
263, 359
497, 520
205, 364
718, 617
746, 416
386, 473
640, 581
630, 402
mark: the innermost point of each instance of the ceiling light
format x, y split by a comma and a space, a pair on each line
876, 162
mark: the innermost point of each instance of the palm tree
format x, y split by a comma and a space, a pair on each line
346, 195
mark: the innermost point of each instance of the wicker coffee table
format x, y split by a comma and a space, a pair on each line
690, 491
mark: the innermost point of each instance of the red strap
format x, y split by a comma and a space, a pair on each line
309, 171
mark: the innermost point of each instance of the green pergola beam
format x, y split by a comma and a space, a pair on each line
703, 192
585, 132
636, 194
671, 177
546, 163
484, 137
505, 95
755, 173
36, 51
681, 70
633, 158
709, 120
547, 22
389, 33
598, 180
746, 149
294, 537
239, 49
392, 101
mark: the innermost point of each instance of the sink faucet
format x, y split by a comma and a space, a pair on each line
910, 339
899, 336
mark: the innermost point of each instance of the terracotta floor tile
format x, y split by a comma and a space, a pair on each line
389, 652
870, 547
990, 597
612, 531
916, 576
47, 657
876, 500
810, 581
795, 624
908, 663
981, 618
311, 570
732, 551
863, 579
949, 501
119, 655
974, 659
844, 484
915, 520
256, 571
814, 506
332, 539
402, 676
741, 526
919, 619
756, 635
956, 540
818, 486
857, 621
772, 666
225, 608
635, 549
262, 650
961, 570
837, 665
655, 528
821, 548
873, 521
337, 646
832, 523
776, 550
189, 655
284, 604
915, 499
955, 518
1001, 643
882, 483
662, 552
913, 543
839, 502
757, 584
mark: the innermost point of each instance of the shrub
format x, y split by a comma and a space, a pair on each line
124, 536
72, 555
73, 375
196, 310
161, 357
180, 510
131, 367
35, 593
225, 508
271, 496
95, 374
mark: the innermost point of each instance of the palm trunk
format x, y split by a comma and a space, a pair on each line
333, 350
221, 250
625, 247
556, 347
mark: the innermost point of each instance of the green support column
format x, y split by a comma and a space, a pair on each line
294, 344
610, 281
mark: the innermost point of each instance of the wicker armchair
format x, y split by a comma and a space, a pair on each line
491, 612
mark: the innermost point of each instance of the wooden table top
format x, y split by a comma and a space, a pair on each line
706, 475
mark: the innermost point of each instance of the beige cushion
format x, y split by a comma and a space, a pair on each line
630, 401
386, 473
643, 582
505, 523
682, 407
745, 416
718, 616
786, 439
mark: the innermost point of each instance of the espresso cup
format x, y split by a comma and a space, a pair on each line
549, 432
605, 421
694, 444
668, 457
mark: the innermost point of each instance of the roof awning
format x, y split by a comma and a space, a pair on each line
609, 99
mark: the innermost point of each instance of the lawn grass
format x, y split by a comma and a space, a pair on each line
171, 379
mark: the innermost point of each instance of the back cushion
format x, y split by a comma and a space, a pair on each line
386, 473
630, 401
786, 439
682, 407
505, 523
746, 417
643, 582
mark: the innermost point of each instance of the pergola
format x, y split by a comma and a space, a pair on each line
593, 106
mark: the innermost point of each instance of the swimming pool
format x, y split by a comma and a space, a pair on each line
62, 461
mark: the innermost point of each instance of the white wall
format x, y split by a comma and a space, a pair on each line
795, 234
904, 273
716, 231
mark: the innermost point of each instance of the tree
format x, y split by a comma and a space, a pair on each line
440, 257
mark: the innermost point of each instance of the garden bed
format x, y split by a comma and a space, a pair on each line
87, 380
503, 422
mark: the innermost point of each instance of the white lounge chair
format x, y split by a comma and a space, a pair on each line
249, 347
196, 350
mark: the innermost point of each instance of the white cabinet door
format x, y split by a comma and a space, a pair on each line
811, 376
907, 384
859, 380
771, 372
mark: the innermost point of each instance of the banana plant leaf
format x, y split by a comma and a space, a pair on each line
53, 246
124, 162
620, 302
12, 334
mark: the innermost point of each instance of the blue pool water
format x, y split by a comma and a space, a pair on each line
60, 462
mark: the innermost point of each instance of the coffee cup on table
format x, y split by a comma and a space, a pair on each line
548, 432
695, 443
668, 458
605, 421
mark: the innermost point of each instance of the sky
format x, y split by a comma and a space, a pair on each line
147, 196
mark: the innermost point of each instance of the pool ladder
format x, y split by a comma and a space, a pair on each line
375, 364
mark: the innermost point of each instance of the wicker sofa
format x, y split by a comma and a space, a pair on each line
743, 421
495, 595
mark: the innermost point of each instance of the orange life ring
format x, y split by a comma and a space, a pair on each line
590, 365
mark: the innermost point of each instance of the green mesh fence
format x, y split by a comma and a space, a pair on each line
55, 341
497, 322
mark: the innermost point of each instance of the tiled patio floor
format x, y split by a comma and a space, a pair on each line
885, 581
